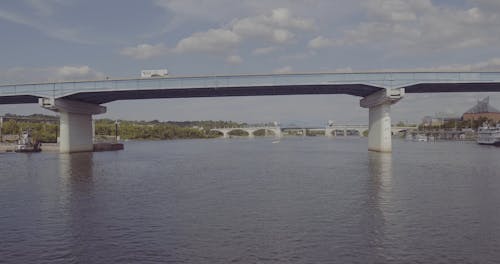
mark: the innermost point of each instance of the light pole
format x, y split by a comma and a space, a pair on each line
116, 130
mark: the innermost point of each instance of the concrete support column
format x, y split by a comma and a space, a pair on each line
278, 133
379, 104
225, 134
250, 134
76, 128
328, 132
93, 130
379, 137
76, 133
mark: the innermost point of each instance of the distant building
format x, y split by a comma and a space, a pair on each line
482, 109
439, 119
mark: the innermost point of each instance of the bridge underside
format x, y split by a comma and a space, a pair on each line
452, 87
361, 90
109, 96
19, 99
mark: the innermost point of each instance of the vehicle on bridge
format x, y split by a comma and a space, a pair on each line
154, 73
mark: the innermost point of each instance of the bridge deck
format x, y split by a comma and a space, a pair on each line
356, 84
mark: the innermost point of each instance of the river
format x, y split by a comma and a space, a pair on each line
302, 200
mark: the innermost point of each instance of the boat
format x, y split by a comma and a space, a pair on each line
487, 135
25, 143
421, 138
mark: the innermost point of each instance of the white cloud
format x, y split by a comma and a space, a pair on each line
213, 40
234, 59
46, 7
211, 10
50, 74
284, 69
418, 25
321, 42
68, 73
489, 65
61, 33
145, 51
275, 27
263, 51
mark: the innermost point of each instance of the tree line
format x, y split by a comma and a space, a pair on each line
46, 128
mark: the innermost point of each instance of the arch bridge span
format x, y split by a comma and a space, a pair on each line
250, 130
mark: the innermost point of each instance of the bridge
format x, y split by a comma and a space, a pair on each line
329, 131
78, 101
250, 130
332, 130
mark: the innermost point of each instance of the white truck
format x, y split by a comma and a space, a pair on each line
154, 73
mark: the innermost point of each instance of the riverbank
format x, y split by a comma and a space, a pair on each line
54, 147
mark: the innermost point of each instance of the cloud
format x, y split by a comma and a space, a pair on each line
284, 69
213, 10
276, 27
71, 73
213, 40
234, 59
46, 7
264, 51
61, 33
145, 51
321, 42
50, 74
421, 25
489, 65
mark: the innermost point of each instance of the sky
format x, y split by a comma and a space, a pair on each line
61, 40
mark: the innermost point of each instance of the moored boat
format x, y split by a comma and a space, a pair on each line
487, 135
25, 143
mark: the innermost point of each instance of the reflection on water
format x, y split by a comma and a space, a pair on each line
76, 168
77, 183
378, 193
308, 200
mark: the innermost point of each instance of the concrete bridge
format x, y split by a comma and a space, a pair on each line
332, 130
250, 130
78, 101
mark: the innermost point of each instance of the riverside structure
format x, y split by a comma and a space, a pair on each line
78, 101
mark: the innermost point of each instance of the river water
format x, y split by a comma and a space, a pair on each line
302, 200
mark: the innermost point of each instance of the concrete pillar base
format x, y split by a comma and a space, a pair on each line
379, 104
76, 133
76, 130
379, 137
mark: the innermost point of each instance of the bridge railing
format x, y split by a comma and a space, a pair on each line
385, 79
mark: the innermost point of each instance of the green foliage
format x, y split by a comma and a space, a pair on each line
42, 131
155, 129
45, 128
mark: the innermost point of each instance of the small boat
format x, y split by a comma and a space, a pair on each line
276, 142
487, 135
421, 138
25, 143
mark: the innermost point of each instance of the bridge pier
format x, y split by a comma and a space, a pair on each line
278, 133
76, 129
379, 104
